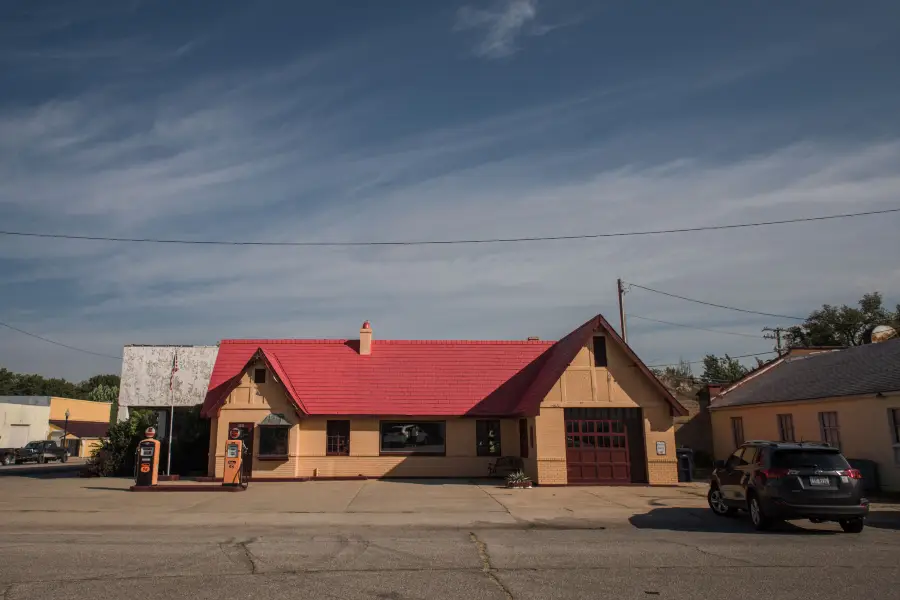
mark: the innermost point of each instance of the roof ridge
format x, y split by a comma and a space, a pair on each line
389, 342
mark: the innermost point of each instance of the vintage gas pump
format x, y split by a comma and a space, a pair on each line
234, 459
148, 460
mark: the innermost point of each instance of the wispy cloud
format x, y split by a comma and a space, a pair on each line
501, 25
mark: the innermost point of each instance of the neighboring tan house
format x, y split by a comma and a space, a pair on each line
86, 427
848, 398
23, 419
583, 410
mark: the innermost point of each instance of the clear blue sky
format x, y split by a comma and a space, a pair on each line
325, 120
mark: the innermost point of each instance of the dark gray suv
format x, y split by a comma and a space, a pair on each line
776, 481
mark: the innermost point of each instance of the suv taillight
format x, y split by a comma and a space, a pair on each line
852, 473
775, 473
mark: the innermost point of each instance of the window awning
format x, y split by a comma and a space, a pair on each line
276, 419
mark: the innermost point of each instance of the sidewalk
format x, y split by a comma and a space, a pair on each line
106, 502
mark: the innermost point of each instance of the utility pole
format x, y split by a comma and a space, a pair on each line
774, 335
624, 331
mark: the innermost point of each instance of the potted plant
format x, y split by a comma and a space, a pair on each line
518, 480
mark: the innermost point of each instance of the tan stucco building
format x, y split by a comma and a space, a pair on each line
583, 410
849, 398
84, 429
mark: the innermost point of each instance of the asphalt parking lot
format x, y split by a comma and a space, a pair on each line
89, 538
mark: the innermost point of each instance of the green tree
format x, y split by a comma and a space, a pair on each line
722, 369
115, 455
842, 325
104, 393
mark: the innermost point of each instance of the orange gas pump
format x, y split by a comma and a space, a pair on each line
234, 460
147, 460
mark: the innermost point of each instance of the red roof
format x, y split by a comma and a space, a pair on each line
404, 377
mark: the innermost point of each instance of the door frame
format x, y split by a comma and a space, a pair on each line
248, 430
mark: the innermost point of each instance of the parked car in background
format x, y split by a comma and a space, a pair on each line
777, 481
40, 452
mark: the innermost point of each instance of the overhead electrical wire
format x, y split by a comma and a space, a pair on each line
49, 341
697, 362
64, 236
630, 316
743, 310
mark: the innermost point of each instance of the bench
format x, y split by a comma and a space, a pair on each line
506, 465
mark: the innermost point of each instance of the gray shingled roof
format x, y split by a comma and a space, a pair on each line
864, 369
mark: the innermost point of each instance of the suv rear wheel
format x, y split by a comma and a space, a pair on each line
852, 525
716, 501
759, 519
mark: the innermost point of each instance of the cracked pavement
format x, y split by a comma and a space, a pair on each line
89, 540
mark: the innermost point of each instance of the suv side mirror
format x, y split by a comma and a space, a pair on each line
719, 464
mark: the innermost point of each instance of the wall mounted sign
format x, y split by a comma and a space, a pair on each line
660, 448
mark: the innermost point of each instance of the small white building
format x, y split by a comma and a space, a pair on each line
23, 419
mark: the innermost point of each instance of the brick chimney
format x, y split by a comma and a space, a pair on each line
365, 339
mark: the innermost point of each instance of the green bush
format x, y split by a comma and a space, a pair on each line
115, 456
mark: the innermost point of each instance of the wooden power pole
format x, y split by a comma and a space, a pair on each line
622, 328
775, 334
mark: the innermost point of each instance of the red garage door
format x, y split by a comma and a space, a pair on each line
597, 451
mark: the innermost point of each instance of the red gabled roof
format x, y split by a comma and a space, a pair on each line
400, 377
410, 377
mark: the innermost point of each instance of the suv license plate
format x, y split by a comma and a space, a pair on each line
819, 481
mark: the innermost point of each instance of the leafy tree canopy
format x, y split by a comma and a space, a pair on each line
22, 384
722, 369
842, 325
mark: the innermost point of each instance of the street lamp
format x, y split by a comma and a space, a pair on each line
66, 435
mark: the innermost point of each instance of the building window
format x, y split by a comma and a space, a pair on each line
487, 437
273, 441
737, 430
337, 438
531, 436
259, 375
599, 351
413, 437
831, 432
786, 428
894, 420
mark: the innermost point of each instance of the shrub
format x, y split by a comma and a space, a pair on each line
115, 455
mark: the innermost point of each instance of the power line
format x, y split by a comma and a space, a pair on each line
743, 310
49, 341
696, 362
439, 242
630, 316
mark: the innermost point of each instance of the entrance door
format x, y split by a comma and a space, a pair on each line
246, 430
597, 451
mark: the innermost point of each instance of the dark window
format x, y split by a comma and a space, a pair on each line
523, 438
413, 437
895, 425
487, 437
821, 459
599, 351
337, 438
786, 428
831, 432
531, 436
737, 430
259, 375
735, 459
748, 457
273, 441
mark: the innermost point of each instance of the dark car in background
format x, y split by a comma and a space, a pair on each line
778, 481
40, 452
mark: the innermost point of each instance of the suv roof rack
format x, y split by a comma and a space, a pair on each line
766, 442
